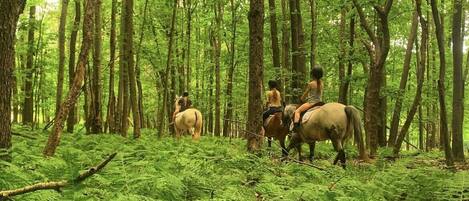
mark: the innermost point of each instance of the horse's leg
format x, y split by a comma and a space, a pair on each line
337, 147
284, 150
312, 145
269, 141
298, 148
342, 157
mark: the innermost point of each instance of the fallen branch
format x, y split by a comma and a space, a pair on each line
23, 135
55, 185
307, 164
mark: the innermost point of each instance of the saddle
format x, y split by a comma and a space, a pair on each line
304, 116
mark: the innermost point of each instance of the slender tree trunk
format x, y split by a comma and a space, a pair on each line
313, 13
111, 107
274, 42
96, 84
60, 74
137, 66
420, 79
458, 84
54, 137
72, 117
168, 67
403, 83
8, 22
285, 62
28, 89
229, 85
124, 63
219, 20
298, 57
256, 65
441, 83
342, 55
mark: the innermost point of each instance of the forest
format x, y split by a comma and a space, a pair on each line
164, 100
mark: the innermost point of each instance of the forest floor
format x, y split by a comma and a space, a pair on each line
221, 169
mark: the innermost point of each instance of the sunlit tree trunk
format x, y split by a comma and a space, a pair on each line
256, 65
96, 84
60, 73
54, 137
298, 56
217, 43
71, 120
111, 106
274, 42
28, 89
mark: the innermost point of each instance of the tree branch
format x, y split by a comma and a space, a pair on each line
55, 185
364, 24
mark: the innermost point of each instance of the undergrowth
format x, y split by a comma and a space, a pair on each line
219, 169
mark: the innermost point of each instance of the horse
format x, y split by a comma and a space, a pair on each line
331, 121
188, 120
276, 129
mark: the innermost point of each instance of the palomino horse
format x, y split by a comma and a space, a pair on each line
333, 121
275, 128
188, 120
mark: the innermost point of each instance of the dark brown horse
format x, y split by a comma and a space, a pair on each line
332, 121
276, 129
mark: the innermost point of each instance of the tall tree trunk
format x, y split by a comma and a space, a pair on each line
137, 65
111, 106
441, 83
124, 63
190, 11
298, 57
458, 84
8, 22
229, 85
274, 42
96, 84
420, 79
168, 67
129, 63
60, 73
219, 20
54, 137
285, 62
378, 55
256, 65
403, 83
28, 89
342, 56
72, 119
314, 36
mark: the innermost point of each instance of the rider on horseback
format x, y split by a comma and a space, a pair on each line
182, 104
311, 96
274, 100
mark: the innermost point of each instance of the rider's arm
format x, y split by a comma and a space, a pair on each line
305, 94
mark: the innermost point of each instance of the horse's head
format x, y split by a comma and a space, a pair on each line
288, 113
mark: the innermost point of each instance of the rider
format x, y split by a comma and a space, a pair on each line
311, 96
182, 104
273, 100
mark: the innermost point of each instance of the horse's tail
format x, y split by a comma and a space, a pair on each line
197, 125
354, 125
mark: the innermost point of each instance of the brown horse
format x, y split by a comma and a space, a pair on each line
189, 120
332, 121
276, 129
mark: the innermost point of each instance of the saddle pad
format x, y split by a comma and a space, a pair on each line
308, 114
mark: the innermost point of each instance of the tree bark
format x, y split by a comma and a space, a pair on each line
298, 57
420, 79
342, 55
458, 83
137, 66
28, 89
96, 84
54, 137
313, 14
274, 43
8, 23
285, 62
403, 83
111, 107
441, 83
168, 68
60, 73
378, 55
229, 85
219, 20
256, 65
71, 120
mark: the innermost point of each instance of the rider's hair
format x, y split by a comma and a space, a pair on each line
273, 84
316, 74
185, 94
